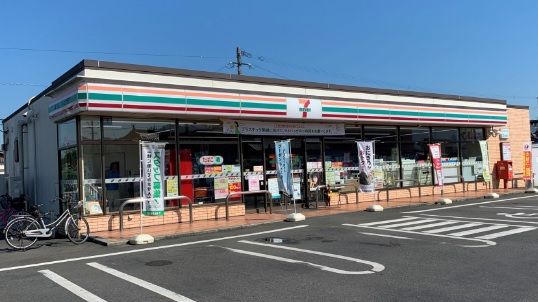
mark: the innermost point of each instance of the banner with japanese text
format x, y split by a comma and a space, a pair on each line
435, 152
152, 162
485, 160
283, 165
366, 166
527, 161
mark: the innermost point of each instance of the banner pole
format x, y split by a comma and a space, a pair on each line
291, 174
140, 185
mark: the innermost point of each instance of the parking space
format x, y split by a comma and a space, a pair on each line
349, 257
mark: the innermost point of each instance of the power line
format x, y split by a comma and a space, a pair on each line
21, 84
111, 53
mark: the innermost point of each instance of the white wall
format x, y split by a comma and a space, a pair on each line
36, 135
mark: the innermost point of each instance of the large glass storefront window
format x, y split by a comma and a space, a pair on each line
69, 174
448, 138
471, 154
67, 142
92, 187
121, 157
387, 168
210, 168
415, 155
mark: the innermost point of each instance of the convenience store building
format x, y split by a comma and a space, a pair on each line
80, 137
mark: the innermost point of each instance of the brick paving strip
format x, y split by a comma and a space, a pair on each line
253, 219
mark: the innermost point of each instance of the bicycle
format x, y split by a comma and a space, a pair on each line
23, 232
8, 212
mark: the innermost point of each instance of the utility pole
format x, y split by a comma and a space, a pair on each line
239, 54
238, 58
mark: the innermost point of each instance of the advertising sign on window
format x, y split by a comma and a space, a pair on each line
506, 152
153, 178
221, 187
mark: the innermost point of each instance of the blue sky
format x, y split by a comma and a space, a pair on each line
477, 48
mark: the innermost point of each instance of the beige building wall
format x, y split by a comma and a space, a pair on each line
519, 134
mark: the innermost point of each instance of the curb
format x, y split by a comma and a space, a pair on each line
123, 241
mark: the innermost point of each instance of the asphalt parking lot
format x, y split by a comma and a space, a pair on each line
481, 250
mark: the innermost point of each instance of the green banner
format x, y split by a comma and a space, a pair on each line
485, 161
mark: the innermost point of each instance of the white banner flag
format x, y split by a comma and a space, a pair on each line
366, 166
152, 178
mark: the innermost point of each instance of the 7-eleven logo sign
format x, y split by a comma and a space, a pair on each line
305, 103
304, 108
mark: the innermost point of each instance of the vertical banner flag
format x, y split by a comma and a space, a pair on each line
485, 161
366, 166
527, 162
153, 178
283, 166
435, 152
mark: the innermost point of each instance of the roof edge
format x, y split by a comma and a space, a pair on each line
263, 80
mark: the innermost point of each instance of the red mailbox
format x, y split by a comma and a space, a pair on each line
504, 171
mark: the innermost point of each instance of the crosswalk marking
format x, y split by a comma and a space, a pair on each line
460, 228
387, 221
506, 233
479, 230
144, 284
428, 226
450, 228
70, 286
407, 223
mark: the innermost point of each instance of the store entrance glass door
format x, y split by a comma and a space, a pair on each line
314, 167
298, 165
253, 176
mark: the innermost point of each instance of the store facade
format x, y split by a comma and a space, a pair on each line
220, 132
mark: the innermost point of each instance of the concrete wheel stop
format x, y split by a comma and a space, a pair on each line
444, 201
294, 217
141, 239
531, 190
374, 208
491, 195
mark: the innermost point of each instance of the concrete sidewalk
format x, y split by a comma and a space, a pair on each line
252, 219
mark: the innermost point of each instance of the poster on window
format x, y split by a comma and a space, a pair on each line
485, 160
152, 178
220, 186
283, 165
253, 183
435, 152
366, 166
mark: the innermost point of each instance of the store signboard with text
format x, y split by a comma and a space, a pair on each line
281, 128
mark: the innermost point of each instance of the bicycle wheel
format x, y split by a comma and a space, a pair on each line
77, 230
15, 233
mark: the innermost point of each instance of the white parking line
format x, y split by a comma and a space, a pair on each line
484, 242
513, 208
385, 235
396, 225
478, 218
454, 227
431, 225
146, 249
72, 287
479, 230
288, 260
506, 233
391, 220
376, 267
142, 283
469, 204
